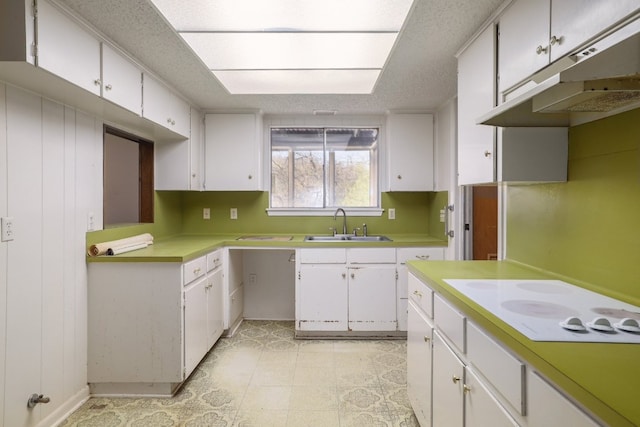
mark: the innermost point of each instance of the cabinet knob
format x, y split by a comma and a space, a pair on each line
171, 121
426, 339
108, 87
97, 82
540, 49
466, 388
455, 379
344, 275
487, 153
399, 176
353, 276
418, 294
555, 40
250, 176
422, 257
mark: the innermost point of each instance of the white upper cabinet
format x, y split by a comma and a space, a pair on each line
410, 152
476, 96
487, 154
178, 165
524, 40
233, 152
121, 80
576, 21
164, 108
66, 49
535, 33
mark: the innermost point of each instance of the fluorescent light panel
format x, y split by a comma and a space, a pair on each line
252, 44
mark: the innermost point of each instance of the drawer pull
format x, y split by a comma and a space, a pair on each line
196, 270
422, 257
418, 294
455, 379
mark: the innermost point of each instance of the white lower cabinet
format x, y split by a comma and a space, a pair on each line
150, 324
419, 363
346, 290
402, 256
468, 378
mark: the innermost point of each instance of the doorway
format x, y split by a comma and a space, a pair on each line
484, 217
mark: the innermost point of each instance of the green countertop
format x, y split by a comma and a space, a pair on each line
603, 377
186, 247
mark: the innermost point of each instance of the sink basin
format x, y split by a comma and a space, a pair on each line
346, 238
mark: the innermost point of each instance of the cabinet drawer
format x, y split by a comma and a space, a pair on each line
420, 294
419, 254
371, 255
323, 256
499, 367
451, 322
214, 260
194, 269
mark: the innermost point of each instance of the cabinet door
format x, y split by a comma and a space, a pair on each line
66, 49
574, 22
419, 364
195, 324
448, 382
121, 80
524, 41
481, 408
232, 152
164, 108
321, 294
215, 297
372, 298
410, 142
476, 96
196, 151
547, 407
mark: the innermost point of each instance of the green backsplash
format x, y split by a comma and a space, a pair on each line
589, 227
413, 215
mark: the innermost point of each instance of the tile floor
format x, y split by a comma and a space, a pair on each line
264, 377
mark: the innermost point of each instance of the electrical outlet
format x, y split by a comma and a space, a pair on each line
6, 224
206, 213
233, 213
91, 221
253, 278
392, 213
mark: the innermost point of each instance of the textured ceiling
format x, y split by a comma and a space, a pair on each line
420, 75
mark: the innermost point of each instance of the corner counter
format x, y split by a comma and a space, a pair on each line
601, 377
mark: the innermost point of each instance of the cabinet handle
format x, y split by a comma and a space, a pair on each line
108, 87
196, 271
455, 379
97, 82
466, 389
540, 50
399, 176
422, 257
426, 339
555, 40
418, 294
487, 153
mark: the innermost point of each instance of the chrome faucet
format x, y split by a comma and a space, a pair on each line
344, 220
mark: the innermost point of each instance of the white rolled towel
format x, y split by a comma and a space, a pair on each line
115, 247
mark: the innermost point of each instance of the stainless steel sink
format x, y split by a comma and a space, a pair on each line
347, 238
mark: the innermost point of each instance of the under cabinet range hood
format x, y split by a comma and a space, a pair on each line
601, 79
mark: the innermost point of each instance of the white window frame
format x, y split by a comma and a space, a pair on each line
328, 122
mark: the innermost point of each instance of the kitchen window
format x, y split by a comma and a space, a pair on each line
316, 169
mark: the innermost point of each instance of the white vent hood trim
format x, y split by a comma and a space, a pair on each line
616, 55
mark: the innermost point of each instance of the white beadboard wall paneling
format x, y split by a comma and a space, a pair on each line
69, 248
24, 270
53, 258
3, 245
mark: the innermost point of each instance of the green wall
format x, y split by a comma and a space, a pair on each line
589, 227
414, 214
181, 212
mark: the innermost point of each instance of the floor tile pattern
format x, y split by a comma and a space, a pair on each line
264, 377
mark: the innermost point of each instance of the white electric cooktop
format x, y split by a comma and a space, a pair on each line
553, 310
